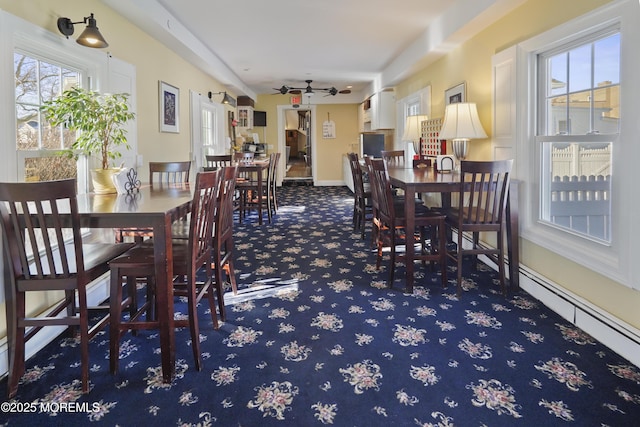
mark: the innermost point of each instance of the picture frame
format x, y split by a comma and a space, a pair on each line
169, 107
455, 94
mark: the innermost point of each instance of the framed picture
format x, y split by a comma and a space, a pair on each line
169, 100
455, 94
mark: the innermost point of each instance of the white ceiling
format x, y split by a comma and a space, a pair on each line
254, 46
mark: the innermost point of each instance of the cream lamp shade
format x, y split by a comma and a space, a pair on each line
413, 130
461, 123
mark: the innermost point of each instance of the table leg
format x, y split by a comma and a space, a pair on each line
513, 244
259, 197
410, 217
163, 256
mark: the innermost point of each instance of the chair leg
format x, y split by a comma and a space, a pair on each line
15, 341
219, 284
392, 263
501, 269
193, 325
212, 303
459, 259
476, 242
442, 251
84, 339
115, 313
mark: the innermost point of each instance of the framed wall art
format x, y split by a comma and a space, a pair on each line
169, 100
455, 94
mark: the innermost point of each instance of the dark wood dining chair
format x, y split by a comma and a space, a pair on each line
169, 172
362, 208
217, 161
45, 253
160, 173
272, 189
481, 207
394, 158
223, 243
189, 256
243, 157
390, 223
268, 198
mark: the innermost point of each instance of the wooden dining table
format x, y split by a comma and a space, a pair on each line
151, 207
414, 181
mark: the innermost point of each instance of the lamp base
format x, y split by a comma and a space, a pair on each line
460, 149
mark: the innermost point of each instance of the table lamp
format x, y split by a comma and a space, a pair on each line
413, 131
461, 123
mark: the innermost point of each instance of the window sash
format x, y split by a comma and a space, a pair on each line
574, 143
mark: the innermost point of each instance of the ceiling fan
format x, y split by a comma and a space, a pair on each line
310, 90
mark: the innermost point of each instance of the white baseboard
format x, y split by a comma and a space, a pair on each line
97, 292
614, 333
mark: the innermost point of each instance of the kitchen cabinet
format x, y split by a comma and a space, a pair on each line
245, 114
245, 117
378, 112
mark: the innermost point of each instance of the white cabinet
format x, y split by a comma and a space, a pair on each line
245, 114
378, 112
245, 117
383, 110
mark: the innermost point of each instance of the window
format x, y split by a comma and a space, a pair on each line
579, 111
37, 143
414, 104
576, 103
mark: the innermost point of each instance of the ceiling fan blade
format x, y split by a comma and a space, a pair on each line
295, 91
345, 91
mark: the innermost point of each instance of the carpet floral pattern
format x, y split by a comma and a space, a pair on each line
315, 337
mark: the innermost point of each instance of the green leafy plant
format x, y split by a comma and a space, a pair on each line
99, 118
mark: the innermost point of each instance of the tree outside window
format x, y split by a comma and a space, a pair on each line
37, 81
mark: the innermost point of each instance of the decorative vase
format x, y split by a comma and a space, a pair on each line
103, 181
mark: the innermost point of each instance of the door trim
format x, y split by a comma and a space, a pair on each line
282, 144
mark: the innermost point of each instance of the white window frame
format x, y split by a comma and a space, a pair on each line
418, 102
201, 105
618, 260
546, 139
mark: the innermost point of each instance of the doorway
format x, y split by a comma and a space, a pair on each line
296, 143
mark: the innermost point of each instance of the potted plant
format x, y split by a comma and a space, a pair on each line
100, 120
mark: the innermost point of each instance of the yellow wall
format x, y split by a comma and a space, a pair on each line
472, 63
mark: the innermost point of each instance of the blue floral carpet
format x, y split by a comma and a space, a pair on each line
316, 338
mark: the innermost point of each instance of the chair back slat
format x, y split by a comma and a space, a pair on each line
223, 228
381, 190
203, 208
219, 160
244, 157
394, 158
484, 191
41, 245
169, 172
356, 173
